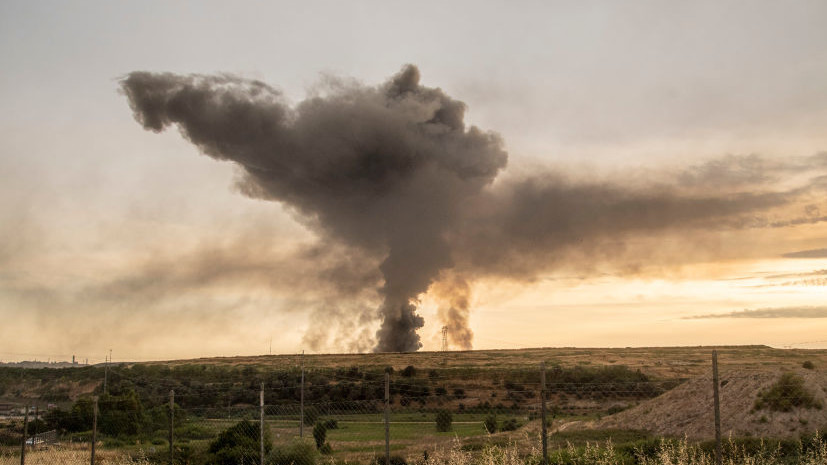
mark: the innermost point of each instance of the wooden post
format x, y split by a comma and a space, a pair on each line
171, 425
94, 428
25, 433
387, 418
301, 416
261, 424
543, 411
36, 415
717, 403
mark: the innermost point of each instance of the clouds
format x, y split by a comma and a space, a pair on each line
778, 312
813, 253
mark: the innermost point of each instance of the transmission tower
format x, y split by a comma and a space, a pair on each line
444, 338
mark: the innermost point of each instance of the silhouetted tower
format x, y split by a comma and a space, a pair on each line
444, 338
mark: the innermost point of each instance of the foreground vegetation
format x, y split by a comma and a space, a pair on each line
810, 451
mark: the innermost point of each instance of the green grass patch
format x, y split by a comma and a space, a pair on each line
787, 393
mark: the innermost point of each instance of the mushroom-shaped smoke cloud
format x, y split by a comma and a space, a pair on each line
385, 169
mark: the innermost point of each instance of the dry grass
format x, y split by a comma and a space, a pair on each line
668, 453
662, 362
67, 455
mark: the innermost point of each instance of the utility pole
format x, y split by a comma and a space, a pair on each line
444, 338
106, 373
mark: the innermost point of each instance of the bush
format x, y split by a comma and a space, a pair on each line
319, 435
490, 424
444, 420
395, 460
237, 443
786, 393
510, 425
808, 365
409, 371
298, 452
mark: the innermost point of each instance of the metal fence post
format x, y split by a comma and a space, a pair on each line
717, 403
94, 428
261, 424
36, 416
25, 433
171, 425
387, 418
543, 411
301, 408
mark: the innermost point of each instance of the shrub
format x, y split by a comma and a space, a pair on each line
395, 460
444, 420
298, 452
319, 435
510, 425
236, 443
490, 424
409, 371
786, 393
808, 365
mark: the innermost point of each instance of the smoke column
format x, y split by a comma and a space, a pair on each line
394, 172
385, 169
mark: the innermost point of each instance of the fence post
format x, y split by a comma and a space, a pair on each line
717, 403
171, 425
543, 410
25, 433
36, 415
301, 416
94, 428
387, 418
261, 424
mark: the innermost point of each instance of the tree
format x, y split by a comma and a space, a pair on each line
444, 420
239, 442
319, 434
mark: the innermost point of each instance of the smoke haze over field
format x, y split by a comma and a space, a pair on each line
393, 171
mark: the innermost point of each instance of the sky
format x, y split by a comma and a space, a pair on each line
636, 174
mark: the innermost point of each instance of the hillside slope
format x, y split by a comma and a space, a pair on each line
688, 409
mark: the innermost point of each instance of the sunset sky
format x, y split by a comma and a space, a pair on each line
624, 174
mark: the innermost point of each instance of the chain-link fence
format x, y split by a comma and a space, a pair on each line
355, 416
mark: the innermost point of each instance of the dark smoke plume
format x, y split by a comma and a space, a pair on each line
394, 172
386, 169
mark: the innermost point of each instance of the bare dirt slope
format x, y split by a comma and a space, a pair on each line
688, 409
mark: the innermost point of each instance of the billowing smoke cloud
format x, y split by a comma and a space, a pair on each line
393, 171
386, 169
455, 294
